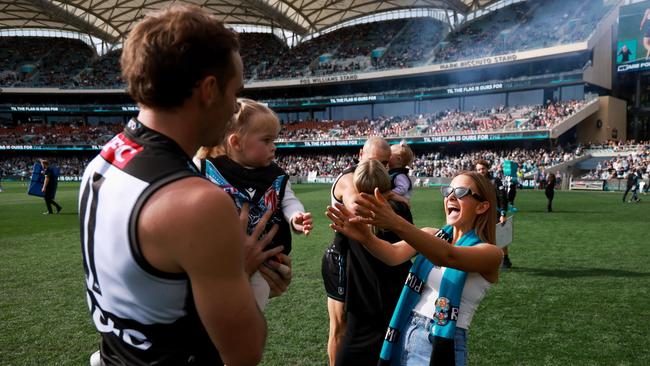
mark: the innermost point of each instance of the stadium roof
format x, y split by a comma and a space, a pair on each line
111, 20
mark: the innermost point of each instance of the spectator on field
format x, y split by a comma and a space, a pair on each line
447, 282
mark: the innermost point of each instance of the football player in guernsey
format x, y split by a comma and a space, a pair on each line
166, 259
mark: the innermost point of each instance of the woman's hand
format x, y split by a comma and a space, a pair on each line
340, 217
375, 210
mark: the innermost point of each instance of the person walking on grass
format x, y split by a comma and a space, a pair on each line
49, 188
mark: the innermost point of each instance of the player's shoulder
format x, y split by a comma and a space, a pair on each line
190, 196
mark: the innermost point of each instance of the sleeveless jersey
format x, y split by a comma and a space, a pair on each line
262, 188
333, 198
145, 316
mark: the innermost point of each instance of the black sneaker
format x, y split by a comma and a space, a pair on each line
506, 263
59, 209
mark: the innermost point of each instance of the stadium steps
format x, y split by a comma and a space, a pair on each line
591, 163
562, 127
567, 164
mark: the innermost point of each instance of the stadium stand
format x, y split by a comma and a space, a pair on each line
401, 43
517, 118
103, 72
523, 26
259, 51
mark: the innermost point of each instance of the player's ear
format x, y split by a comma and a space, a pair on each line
207, 89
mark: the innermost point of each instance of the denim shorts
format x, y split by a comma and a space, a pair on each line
417, 348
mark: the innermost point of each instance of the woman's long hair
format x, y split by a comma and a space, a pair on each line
485, 223
368, 175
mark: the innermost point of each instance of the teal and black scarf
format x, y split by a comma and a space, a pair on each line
446, 311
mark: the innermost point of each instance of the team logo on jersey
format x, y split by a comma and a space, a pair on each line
120, 150
441, 317
271, 199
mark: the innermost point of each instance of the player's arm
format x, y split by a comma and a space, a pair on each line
192, 226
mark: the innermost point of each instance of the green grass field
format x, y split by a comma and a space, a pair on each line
579, 293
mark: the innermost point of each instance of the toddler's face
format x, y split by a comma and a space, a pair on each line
259, 147
395, 161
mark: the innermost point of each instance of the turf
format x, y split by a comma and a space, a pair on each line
578, 294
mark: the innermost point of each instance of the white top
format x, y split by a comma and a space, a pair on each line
291, 205
474, 291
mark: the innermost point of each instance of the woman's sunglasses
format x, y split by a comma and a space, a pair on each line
459, 192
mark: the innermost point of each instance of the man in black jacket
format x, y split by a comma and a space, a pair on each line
49, 188
632, 185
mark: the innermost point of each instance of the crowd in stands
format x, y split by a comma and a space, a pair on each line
103, 72
531, 162
20, 167
258, 52
413, 46
449, 122
524, 26
40, 62
629, 155
68, 63
454, 121
58, 134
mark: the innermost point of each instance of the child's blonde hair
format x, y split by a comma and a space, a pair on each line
404, 151
251, 116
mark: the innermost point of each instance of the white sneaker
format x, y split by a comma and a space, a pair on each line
95, 359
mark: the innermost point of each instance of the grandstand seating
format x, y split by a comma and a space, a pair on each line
59, 62
413, 45
39, 62
259, 51
103, 72
520, 118
523, 26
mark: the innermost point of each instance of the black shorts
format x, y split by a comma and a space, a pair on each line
334, 270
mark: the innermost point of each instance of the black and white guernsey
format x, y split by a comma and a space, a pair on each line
145, 316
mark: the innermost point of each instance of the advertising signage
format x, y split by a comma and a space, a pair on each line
440, 139
633, 46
